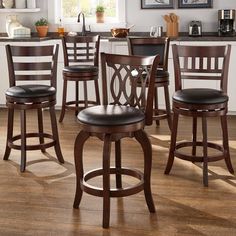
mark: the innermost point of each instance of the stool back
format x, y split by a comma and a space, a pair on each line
121, 75
81, 49
150, 47
32, 63
201, 63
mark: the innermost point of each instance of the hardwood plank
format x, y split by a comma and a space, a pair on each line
39, 201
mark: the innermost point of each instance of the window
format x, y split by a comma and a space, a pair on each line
68, 10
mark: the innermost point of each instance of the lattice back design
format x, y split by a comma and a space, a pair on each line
32, 63
130, 81
201, 63
123, 85
81, 50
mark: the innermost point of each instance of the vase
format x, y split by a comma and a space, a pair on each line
42, 30
8, 3
100, 17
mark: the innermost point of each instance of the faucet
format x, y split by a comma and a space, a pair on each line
83, 26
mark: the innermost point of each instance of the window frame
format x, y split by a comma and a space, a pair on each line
54, 17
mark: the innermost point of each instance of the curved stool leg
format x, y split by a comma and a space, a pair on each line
55, 134
172, 143
118, 163
63, 106
78, 156
205, 153
23, 140
226, 143
10, 124
106, 180
143, 139
40, 127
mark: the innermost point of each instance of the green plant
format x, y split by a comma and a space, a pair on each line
100, 8
41, 22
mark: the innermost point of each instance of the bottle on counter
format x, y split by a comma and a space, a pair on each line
60, 29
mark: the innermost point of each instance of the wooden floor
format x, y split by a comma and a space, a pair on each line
39, 201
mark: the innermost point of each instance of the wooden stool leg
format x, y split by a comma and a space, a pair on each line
172, 143
205, 153
143, 139
23, 140
97, 92
55, 134
10, 124
40, 127
118, 163
106, 180
85, 94
156, 104
76, 98
63, 106
194, 138
78, 156
226, 143
168, 110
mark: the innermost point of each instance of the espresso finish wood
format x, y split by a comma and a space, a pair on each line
200, 63
126, 116
149, 47
81, 54
40, 200
31, 95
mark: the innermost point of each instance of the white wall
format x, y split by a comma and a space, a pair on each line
142, 18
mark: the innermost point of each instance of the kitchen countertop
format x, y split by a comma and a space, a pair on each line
211, 36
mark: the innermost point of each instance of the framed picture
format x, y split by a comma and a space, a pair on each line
195, 3
156, 4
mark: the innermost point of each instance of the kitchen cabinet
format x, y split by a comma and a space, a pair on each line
120, 47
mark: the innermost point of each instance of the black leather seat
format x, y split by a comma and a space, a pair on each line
80, 68
200, 96
31, 91
111, 115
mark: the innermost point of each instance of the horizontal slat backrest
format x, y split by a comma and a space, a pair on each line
31, 63
81, 49
201, 63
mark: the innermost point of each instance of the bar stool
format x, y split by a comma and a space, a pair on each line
200, 63
125, 115
78, 52
27, 66
149, 47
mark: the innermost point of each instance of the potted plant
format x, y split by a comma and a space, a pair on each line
42, 27
100, 13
